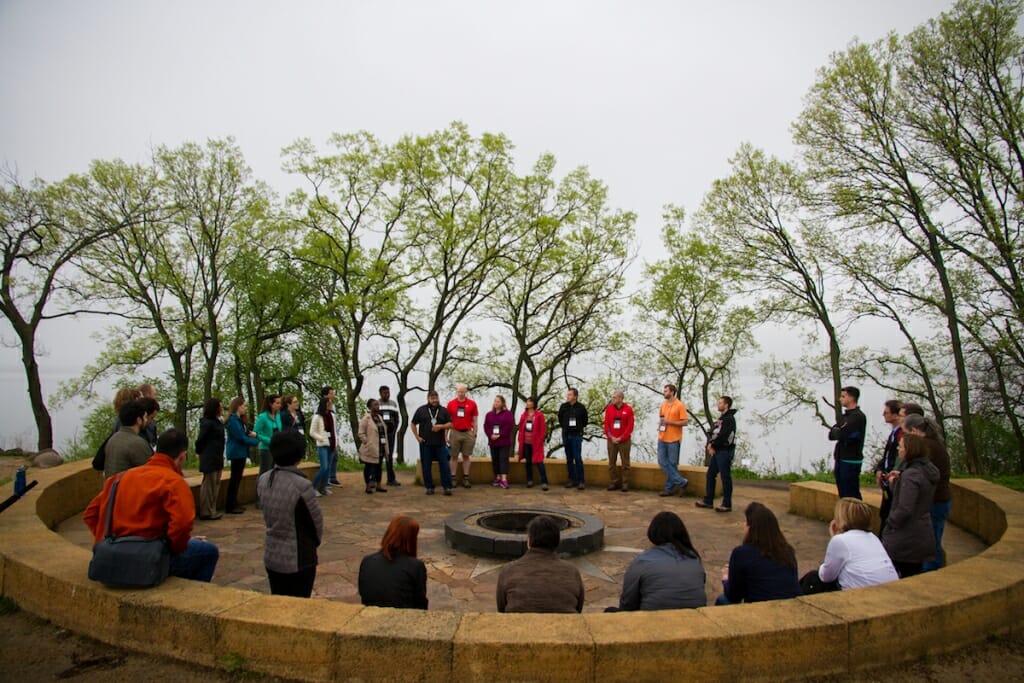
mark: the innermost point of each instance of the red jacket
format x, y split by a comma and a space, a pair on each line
152, 500
625, 417
536, 435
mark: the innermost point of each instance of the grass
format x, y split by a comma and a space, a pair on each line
7, 606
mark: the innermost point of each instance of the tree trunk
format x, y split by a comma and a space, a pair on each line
44, 424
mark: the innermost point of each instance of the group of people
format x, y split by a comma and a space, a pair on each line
912, 475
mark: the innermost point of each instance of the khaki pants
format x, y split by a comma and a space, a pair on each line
615, 451
461, 442
208, 494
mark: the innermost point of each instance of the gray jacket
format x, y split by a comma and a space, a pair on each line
663, 578
294, 522
908, 535
124, 450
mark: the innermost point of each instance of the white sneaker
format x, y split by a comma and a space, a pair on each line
328, 491
317, 493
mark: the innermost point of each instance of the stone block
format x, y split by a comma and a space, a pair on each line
382, 644
529, 647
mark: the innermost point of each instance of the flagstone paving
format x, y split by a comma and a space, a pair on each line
355, 521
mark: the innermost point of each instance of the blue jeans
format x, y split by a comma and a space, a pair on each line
573, 444
721, 464
428, 454
668, 461
939, 512
197, 562
848, 479
323, 454
332, 468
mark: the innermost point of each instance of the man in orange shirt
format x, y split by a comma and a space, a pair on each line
672, 418
153, 501
462, 437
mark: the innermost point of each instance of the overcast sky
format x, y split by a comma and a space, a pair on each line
653, 96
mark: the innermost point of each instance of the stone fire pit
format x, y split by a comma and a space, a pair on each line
501, 531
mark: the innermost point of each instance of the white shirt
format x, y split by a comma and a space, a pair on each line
857, 559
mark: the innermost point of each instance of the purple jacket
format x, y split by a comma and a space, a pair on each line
505, 424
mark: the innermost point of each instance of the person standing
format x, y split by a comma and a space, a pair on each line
942, 502
672, 417
532, 430
498, 426
148, 391
618, 431
389, 413
127, 448
848, 434
291, 414
908, 535
322, 438
373, 441
240, 440
267, 424
331, 427
430, 424
210, 447
721, 451
295, 524
462, 438
572, 420
890, 454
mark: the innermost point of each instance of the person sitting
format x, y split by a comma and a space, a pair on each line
393, 576
764, 567
154, 501
854, 557
539, 581
292, 515
669, 575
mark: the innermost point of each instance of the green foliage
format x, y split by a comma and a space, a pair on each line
95, 428
8, 605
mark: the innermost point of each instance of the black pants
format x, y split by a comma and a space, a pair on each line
371, 473
299, 584
237, 467
390, 460
528, 459
499, 459
811, 583
906, 569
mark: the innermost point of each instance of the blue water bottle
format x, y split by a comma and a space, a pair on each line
19, 481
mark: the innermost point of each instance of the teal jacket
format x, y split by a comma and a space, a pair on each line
266, 427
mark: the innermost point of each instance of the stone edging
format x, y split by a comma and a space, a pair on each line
323, 640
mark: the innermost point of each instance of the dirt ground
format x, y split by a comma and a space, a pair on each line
36, 650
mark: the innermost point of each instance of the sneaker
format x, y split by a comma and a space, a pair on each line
496, 482
335, 482
465, 483
394, 483
381, 489
430, 492
543, 487
723, 508
317, 494
702, 504
581, 486
613, 487
664, 493
369, 489
328, 491
529, 485
236, 510
570, 484
447, 492
504, 484
681, 487
624, 488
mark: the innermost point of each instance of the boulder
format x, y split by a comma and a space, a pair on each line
47, 458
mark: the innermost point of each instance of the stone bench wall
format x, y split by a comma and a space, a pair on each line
322, 640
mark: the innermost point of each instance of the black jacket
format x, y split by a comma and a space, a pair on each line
401, 582
849, 436
723, 436
572, 410
210, 445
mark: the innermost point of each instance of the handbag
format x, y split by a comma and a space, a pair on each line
128, 561
99, 461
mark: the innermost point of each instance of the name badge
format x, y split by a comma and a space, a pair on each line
662, 428
617, 423
572, 421
496, 430
529, 426
387, 417
461, 412
383, 439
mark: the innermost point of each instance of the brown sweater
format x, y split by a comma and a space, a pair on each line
539, 582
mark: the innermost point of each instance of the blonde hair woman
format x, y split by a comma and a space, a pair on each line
854, 557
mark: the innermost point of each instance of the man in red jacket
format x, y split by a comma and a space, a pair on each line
153, 500
618, 430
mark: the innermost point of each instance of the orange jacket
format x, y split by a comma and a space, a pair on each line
152, 500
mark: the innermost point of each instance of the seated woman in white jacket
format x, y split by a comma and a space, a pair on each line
855, 557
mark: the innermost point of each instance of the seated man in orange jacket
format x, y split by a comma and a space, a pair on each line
153, 500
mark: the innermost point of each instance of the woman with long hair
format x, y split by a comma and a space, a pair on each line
373, 441
239, 440
942, 501
393, 576
210, 448
532, 427
498, 426
854, 557
291, 414
908, 535
267, 424
669, 575
318, 432
764, 566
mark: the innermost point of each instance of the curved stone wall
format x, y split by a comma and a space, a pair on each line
322, 640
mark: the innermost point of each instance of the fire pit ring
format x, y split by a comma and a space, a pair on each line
501, 531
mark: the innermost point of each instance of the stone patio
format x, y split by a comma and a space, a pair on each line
354, 523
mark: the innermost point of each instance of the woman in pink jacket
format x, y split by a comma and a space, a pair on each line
532, 429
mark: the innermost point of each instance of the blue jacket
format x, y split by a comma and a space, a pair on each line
239, 441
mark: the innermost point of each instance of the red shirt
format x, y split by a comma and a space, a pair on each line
463, 413
618, 422
152, 500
